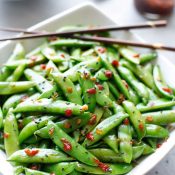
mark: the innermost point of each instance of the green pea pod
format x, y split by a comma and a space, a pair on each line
108, 155
112, 141
135, 118
34, 172
114, 90
67, 87
35, 60
17, 73
147, 149
75, 173
44, 87
94, 120
158, 104
11, 141
43, 156
102, 99
78, 89
49, 106
140, 88
156, 131
4, 73
1, 118
34, 125
44, 144
8, 88
152, 95
152, 142
59, 137
86, 84
13, 101
100, 75
93, 64
104, 127
18, 53
144, 58
160, 117
116, 78
62, 168
53, 55
145, 76
19, 170
72, 43
68, 125
133, 96
115, 169
124, 134
130, 55
107, 113
160, 84
76, 52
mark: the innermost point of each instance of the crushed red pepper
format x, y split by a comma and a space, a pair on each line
43, 66
158, 145
89, 136
104, 167
100, 87
137, 55
31, 152
115, 63
51, 131
166, 89
69, 90
66, 145
34, 167
101, 49
93, 119
6, 135
141, 126
126, 121
24, 98
68, 112
91, 91
125, 83
108, 74
149, 118
67, 125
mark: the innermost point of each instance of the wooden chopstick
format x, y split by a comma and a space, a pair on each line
124, 42
39, 34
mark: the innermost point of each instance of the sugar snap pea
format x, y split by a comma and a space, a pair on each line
8, 88
144, 58
67, 144
104, 127
1, 118
38, 155
11, 133
135, 118
62, 168
68, 88
48, 105
68, 125
34, 172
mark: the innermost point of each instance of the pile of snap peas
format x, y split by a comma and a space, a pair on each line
77, 107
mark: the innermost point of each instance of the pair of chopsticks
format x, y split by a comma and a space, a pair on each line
73, 34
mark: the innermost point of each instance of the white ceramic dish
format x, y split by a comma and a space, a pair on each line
88, 14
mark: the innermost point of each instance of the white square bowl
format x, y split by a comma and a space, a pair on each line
88, 14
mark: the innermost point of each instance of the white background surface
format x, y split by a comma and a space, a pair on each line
25, 13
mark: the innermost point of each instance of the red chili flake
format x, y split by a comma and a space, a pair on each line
6, 135
24, 98
149, 118
52, 38
137, 55
141, 126
93, 79
62, 55
102, 166
20, 125
126, 121
67, 125
115, 63
100, 87
108, 74
125, 83
166, 89
49, 69
43, 66
121, 99
68, 112
84, 107
31, 152
91, 91
158, 145
101, 49
34, 167
89, 136
51, 131
69, 90
67, 145
93, 119
52, 174
99, 131
78, 121
86, 75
